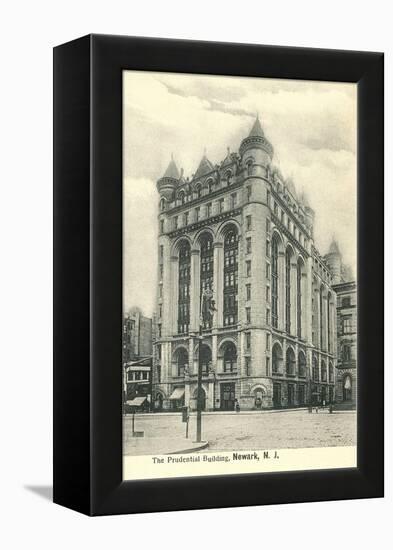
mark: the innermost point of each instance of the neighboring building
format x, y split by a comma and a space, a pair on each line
137, 355
137, 336
346, 290
240, 229
138, 381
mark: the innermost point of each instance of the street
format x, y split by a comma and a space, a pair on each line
249, 430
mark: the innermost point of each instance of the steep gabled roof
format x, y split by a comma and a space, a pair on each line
205, 166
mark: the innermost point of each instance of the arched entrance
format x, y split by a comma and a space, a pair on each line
347, 388
158, 402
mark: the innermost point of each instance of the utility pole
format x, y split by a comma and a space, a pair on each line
207, 307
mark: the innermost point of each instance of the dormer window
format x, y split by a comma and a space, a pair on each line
199, 190
229, 177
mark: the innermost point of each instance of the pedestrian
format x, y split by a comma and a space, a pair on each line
237, 406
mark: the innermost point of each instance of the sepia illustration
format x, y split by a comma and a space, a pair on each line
239, 270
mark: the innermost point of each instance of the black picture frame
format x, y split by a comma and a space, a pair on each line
88, 274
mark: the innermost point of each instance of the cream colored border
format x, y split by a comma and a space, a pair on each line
220, 463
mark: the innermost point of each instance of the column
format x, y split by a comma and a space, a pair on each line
218, 283
194, 291
281, 290
293, 279
172, 297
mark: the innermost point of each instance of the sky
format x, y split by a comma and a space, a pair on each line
311, 125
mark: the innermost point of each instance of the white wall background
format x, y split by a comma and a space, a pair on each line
29, 30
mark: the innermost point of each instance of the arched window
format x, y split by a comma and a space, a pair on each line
182, 361
323, 371
315, 370
181, 197
275, 282
299, 297
209, 185
230, 276
276, 358
347, 388
302, 364
162, 204
230, 357
183, 316
198, 190
290, 361
228, 176
249, 167
288, 256
206, 276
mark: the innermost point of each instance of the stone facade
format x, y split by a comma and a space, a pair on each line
240, 229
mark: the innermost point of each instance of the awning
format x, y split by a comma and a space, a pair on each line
177, 393
136, 402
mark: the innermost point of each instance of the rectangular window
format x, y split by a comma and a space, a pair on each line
267, 366
249, 193
267, 270
248, 222
161, 226
268, 197
275, 209
248, 315
197, 213
282, 216
268, 316
209, 210
268, 248
267, 341
233, 200
248, 245
161, 251
175, 222
248, 340
158, 351
160, 310
159, 331
346, 301
268, 293
248, 366
248, 268
268, 225
346, 325
185, 218
248, 292
161, 271
221, 205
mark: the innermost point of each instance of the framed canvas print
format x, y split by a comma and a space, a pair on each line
218, 275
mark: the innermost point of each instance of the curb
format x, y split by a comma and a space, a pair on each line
197, 447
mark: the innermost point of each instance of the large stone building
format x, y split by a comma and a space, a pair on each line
240, 229
346, 291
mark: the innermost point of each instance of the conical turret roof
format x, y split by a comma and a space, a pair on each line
256, 130
205, 166
334, 249
256, 139
172, 170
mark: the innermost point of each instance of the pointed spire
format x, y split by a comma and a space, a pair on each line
334, 249
256, 130
172, 170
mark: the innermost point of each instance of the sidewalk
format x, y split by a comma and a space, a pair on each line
161, 446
